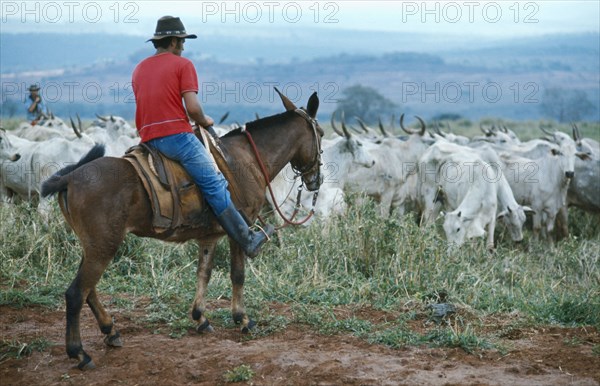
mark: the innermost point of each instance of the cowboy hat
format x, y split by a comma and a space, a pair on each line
170, 26
34, 87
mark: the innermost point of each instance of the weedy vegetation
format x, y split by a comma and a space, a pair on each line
16, 349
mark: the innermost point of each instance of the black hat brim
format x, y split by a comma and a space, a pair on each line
159, 37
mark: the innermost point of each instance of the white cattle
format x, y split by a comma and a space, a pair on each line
500, 137
395, 161
7, 152
46, 128
449, 136
340, 155
462, 183
113, 126
8, 155
584, 190
114, 133
542, 183
37, 162
509, 210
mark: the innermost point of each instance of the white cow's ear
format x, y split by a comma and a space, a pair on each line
583, 156
527, 209
465, 219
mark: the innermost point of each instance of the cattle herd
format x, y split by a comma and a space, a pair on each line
466, 183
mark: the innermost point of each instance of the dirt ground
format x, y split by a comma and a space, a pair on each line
295, 356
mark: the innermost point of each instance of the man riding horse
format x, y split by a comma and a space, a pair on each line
161, 84
104, 206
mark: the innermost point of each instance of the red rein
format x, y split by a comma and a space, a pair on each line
287, 221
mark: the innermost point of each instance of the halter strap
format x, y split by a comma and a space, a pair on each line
265, 173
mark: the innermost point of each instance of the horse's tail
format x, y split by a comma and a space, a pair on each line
58, 181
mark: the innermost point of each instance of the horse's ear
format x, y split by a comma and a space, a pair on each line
313, 105
288, 104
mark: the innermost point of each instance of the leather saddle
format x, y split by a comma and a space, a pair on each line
176, 200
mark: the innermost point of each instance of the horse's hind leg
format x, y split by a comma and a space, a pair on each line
238, 276
105, 322
82, 289
203, 273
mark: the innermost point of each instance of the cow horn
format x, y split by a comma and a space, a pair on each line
503, 129
103, 119
79, 123
576, 133
346, 132
363, 125
420, 132
77, 133
337, 131
223, 118
487, 132
402, 125
423, 126
437, 130
382, 129
256, 116
546, 131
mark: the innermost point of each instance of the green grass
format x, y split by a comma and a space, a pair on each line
357, 261
242, 373
18, 349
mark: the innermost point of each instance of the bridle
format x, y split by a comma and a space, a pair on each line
316, 163
299, 172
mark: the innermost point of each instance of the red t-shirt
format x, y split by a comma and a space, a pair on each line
158, 84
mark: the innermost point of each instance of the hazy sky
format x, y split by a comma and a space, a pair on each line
468, 18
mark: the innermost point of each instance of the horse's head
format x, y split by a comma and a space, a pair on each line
307, 160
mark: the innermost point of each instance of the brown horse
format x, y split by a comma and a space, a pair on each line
103, 199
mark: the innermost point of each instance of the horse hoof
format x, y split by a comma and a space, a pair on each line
86, 364
205, 328
249, 327
114, 341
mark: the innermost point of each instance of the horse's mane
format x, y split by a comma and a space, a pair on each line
261, 123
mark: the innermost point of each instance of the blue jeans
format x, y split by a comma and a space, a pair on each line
193, 156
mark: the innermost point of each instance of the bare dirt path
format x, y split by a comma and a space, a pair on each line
295, 356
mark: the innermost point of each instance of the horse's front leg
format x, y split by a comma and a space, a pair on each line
203, 273
238, 275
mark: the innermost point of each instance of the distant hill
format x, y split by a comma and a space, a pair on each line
90, 73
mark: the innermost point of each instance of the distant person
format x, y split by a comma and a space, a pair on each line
161, 85
34, 104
